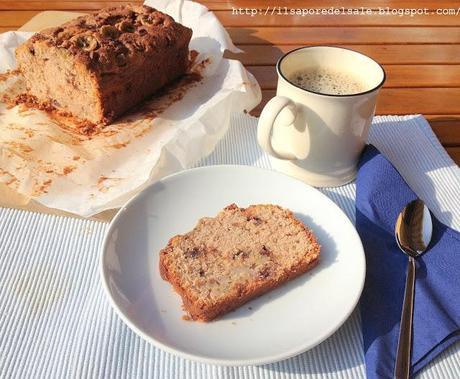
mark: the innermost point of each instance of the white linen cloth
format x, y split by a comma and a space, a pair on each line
55, 321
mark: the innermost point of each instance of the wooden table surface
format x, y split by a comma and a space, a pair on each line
420, 53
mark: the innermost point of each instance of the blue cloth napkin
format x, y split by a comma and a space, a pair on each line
381, 193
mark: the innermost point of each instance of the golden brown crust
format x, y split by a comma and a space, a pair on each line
110, 38
197, 313
208, 310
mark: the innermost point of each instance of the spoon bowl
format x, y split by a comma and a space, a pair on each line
414, 228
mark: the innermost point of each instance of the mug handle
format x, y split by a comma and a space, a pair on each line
267, 118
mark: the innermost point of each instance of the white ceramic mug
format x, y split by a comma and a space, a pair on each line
316, 137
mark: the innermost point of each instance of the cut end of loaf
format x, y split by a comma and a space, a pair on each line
53, 78
236, 256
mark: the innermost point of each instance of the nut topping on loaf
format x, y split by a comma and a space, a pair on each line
99, 65
99, 40
238, 255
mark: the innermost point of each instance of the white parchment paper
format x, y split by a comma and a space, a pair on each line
63, 170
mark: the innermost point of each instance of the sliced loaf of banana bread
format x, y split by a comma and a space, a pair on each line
98, 66
238, 255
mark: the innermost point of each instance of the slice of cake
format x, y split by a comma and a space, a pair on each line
238, 255
100, 65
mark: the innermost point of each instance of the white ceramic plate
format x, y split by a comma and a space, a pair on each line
278, 325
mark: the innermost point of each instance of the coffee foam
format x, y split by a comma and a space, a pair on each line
327, 81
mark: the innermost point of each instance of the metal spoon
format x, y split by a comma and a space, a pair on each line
413, 234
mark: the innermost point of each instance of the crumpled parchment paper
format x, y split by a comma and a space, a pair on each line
43, 162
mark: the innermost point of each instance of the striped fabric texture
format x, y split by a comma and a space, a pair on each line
55, 321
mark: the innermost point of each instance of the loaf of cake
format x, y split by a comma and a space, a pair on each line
238, 255
98, 66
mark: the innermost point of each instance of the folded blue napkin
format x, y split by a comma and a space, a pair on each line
381, 193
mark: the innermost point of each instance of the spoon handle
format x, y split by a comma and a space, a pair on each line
403, 357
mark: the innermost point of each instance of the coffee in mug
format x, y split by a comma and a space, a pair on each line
327, 81
316, 126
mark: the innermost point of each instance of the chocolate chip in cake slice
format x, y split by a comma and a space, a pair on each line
265, 251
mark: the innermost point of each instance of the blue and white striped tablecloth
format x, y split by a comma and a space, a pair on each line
56, 323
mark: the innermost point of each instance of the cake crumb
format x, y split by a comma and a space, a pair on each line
20, 146
119, 145
68, 169
104, 183
7, 178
